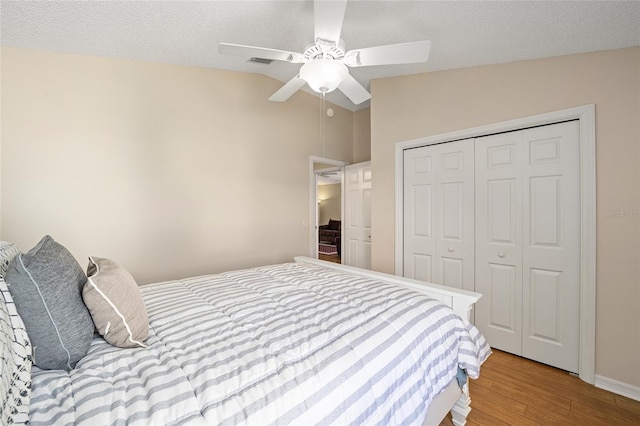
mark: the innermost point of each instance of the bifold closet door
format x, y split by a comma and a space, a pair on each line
499, 240
438, 214
528, 242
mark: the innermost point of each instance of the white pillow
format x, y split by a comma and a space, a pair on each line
7, 252
15, 362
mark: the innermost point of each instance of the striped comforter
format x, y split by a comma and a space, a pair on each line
282, 344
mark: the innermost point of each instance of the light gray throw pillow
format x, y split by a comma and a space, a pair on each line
46, 286
115, 304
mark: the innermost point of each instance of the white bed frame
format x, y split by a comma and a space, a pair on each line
453, 398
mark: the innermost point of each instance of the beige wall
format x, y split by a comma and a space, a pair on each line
362, 135
172, 171
330, 206
439, 102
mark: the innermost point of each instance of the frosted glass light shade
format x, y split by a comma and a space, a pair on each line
324, 75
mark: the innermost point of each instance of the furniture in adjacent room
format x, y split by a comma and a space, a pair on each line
330, 233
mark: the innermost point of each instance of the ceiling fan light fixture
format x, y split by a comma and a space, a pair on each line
324, 75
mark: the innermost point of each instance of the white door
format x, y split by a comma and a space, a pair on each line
438, 214
498, 313
551, 249
357, 229
528, 242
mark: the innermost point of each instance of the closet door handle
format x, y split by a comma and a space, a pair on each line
450, 249
501, 255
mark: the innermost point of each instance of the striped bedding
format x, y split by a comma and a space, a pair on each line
281, 344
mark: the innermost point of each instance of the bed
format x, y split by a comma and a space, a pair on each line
306, 342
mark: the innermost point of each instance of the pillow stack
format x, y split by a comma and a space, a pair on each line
61, 308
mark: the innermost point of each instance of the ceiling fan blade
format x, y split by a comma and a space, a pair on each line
354, 90
403, 53
290, 87
328, 16
260, 52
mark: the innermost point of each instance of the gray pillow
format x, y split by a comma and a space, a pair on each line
46, 286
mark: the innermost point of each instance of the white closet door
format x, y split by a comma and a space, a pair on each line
438, 214
499, 240
357, 230
454, 215
419, 213
551, 250
528, 242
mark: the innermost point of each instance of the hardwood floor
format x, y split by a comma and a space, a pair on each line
516, 391
329, 257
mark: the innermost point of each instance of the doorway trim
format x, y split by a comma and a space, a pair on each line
313, 200
586, 116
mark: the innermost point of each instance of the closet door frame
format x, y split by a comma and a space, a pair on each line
586, 116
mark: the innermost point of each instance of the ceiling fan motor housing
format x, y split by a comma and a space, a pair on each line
324, 49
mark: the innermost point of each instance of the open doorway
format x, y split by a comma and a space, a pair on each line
326, 206
329, 217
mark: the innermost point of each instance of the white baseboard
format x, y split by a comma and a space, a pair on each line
618, 387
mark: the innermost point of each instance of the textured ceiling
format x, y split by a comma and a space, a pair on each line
463, 33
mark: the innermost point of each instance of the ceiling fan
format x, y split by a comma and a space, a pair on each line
325, 62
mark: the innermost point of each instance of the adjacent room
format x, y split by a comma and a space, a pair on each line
257, 202
329, 194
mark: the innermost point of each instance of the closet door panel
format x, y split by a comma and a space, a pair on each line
419, 231
499, 240
452, 271
366, 231
451, 241
353, 216
546, 312
452, 216
502, 298
421, 226
422, 268
455, 193
419, 214
551, 250
501, 205
545, 211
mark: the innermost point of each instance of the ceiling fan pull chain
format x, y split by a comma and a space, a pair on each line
323, 131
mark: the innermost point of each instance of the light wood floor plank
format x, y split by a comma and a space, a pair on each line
497, 409
515, 391
613, 415
628, 404
552, 418
532, 397
505, 401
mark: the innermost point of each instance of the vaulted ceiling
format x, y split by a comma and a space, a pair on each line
462, 33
